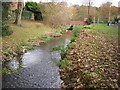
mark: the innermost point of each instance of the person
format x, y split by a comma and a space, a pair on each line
71, 27
108, 24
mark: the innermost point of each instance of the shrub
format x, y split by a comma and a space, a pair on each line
34, 8
5, 30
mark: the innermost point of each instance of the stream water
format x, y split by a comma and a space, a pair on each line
39, 69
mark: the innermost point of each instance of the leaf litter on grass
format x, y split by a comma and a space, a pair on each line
95, 63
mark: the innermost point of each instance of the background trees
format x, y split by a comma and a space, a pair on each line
80, 12
106, 12
114, 12
54, 14
34, 7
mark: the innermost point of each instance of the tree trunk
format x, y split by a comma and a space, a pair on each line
98, 21
19, 13
109, 18
89, 8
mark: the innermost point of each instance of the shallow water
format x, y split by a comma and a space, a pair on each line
39, 67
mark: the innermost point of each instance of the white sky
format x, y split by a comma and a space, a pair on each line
72, 2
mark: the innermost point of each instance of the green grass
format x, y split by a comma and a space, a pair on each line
29, 30
62, 63
61, 47
88, 26
77, 27
59, 30
45, 38
105, 29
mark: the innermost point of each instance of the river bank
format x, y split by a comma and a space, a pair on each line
92, 60
39, 68
25, 38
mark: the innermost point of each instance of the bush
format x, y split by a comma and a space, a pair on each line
38, 16
5, 30
34, 8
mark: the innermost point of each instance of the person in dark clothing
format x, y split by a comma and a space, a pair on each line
71, 27
108, 24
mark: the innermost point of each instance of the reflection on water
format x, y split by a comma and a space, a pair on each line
14, 63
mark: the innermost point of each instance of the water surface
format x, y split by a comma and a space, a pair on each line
39, 67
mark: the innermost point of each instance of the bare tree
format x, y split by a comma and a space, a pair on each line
19, 13
89, 4
109, 12
105, 10
55, 14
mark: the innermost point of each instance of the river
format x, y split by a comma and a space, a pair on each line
39, 68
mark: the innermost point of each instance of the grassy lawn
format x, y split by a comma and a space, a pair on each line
91, 60
106, 31
29, 30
